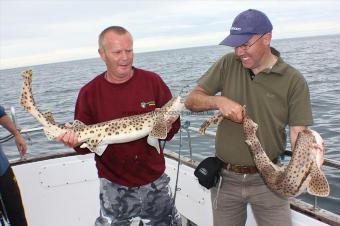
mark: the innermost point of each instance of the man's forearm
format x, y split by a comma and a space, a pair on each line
200, 100
6, 122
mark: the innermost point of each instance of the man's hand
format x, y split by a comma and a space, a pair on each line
200, 100
230, 109
21, 144
69, 138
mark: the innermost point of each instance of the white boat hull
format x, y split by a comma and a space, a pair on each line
65, 191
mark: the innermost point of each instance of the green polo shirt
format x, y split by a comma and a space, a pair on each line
275, 98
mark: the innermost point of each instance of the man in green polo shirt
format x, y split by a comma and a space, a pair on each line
276, 95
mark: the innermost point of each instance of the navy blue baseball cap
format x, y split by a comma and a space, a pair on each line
245, 25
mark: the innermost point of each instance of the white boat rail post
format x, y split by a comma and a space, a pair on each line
315, 206
14, 118
186, 126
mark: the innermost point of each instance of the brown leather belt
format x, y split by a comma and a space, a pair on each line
243, 169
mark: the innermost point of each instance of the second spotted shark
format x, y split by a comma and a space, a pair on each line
304, 170
96, 137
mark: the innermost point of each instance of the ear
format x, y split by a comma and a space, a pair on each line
267, 38
101, 52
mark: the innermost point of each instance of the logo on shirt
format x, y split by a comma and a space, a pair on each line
270, 95
147, 104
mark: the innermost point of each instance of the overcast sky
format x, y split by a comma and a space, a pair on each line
37, 32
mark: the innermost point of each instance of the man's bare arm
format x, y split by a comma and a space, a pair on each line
200, 100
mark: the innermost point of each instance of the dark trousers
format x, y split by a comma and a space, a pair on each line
11, 198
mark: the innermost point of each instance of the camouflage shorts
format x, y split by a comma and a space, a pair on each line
151, 203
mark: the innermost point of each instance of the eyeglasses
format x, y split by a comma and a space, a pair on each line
247, 46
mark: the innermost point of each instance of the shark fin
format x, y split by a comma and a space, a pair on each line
152, 141
100, 149
159, 129
318, 184
49, 117
94, 145
78, 124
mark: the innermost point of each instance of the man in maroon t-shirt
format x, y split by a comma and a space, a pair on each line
132, 180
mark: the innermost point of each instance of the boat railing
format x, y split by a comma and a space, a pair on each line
186, 127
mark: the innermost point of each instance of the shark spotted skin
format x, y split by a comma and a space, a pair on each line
216, 119
96, 137
304, 170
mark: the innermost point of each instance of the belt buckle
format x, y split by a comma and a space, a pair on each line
238, 168
242, 169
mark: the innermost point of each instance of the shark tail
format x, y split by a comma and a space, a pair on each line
216, 119
318, 184
27, 102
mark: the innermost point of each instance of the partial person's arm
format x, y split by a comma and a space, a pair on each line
6, 122
200, 100
70, 138
294, 131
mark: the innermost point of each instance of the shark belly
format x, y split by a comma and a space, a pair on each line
124, 137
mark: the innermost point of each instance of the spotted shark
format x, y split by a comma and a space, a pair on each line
303, 171
98, 136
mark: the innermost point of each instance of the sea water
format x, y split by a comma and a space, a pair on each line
56, 86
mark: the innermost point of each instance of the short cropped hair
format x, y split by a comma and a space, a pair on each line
116, 29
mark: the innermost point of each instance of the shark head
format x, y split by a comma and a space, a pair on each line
173, 108
319, 148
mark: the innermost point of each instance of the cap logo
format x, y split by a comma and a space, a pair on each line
235, 28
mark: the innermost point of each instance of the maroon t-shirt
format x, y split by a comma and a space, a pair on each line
134, 163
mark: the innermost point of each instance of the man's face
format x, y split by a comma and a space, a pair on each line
251, 53
117, 53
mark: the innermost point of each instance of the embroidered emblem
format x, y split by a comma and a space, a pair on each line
145, 104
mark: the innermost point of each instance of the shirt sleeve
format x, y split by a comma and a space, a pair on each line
300, 110
211, 81
2, 111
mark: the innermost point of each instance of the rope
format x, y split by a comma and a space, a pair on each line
177, 175
179, 162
